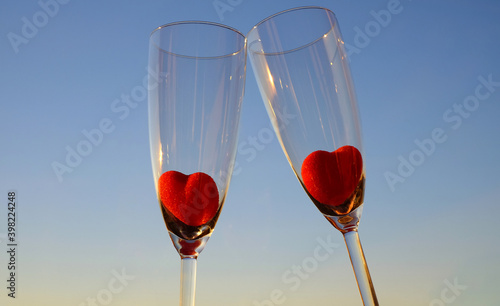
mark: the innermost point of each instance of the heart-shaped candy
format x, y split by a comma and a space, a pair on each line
332, 177
193, 199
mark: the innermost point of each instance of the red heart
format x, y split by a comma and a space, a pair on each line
193, 199
331, 178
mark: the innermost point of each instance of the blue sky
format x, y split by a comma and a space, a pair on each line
431, 66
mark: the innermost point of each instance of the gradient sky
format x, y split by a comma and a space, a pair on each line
432, 66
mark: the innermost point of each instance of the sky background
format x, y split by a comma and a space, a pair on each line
430, 238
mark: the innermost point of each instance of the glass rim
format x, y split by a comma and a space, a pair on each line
215, 24
284, 12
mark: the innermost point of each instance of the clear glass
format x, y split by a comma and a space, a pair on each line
302, 71
196, 85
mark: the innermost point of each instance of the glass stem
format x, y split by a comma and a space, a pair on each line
360, 268
188, 281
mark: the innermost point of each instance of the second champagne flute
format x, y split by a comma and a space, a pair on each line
301, 67
196, 85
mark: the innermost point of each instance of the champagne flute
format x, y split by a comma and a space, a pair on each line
301, 68
196, 84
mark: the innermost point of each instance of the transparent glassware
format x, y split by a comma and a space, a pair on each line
302, 70
196, 85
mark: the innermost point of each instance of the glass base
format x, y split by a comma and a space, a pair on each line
189, 248
346, 223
